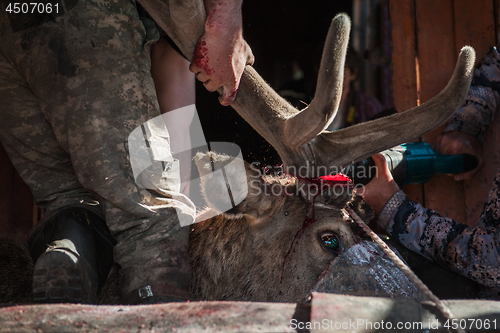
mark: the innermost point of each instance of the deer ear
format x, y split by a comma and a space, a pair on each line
231, 185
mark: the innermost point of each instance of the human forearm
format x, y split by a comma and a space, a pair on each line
175, 89
471, 252
223, 15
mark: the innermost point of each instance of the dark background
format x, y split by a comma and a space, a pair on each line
278, 33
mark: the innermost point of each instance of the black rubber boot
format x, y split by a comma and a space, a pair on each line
73, 251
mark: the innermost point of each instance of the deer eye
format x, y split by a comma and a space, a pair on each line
330, 241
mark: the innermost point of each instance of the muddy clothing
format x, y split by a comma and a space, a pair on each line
471, 252
72, 89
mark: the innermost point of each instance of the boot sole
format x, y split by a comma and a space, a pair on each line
59, 278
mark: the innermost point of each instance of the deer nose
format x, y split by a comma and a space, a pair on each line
364, 270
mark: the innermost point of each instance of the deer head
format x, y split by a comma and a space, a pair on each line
276, 243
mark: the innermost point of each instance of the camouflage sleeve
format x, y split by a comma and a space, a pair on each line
471, 252
475, 116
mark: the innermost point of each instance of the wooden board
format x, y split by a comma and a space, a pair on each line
404, 77
326, 313
442, 28
437, 57
172, 317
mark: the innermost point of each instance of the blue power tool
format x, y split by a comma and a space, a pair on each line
412, 163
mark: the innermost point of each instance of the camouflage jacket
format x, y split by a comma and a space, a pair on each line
475, 116
471, 252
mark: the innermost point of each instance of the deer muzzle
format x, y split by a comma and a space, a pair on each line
364, 270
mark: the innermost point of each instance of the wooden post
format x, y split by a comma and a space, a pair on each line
442, 28
404, 67
437, 56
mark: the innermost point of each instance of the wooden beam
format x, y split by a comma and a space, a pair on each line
437, 56
327, 312
404, 75
172, 317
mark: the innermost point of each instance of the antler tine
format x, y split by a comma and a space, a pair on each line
343, 147
281, 124
320, 113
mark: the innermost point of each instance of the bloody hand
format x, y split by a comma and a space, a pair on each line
221, 55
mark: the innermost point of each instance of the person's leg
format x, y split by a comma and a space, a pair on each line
71, 246
90, 71
175, 84
175, 88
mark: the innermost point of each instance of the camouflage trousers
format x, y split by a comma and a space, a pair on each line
72, 89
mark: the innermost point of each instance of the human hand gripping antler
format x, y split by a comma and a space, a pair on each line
221, 53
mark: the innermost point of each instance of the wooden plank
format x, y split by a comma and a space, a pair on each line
327, 313
475, 26
172, 317
339, 313
404, 77
436, 45
403, 54
356, 314
437, 57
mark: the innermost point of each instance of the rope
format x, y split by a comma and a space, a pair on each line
402, 265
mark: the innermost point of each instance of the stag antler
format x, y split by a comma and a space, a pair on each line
299, 137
